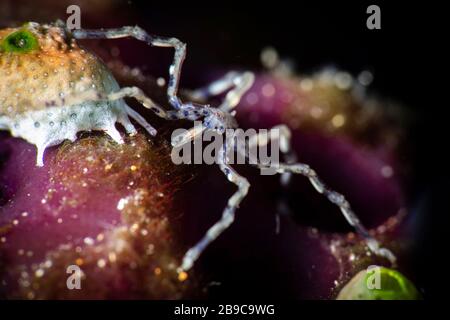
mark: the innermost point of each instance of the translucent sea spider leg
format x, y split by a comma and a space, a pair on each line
215, 88
188, 136
189, 112
140, 34
283, 134
227, 216
114, 134
140, 119
242, 81
339, 200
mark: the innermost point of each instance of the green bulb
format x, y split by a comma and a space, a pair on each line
379, 283
21, 41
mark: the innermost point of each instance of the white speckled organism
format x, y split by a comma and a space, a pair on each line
50, 89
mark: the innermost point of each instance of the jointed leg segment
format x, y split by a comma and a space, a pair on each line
157, 41
283, 134
227, 216
189, 112
236, 82
339, 200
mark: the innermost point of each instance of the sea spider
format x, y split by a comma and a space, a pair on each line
50, 89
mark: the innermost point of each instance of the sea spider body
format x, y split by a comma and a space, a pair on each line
50, 88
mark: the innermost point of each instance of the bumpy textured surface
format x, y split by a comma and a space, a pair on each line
50, 88
54, 74
104, 207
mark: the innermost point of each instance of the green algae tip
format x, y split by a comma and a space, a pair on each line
379, 283
21, 41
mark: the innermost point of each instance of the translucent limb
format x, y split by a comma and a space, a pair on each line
187, 111
129, 127
240, 82
140, 119
340, 201
227, 216
283, 134
157, 41
215, 88
114, 133
188, 136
